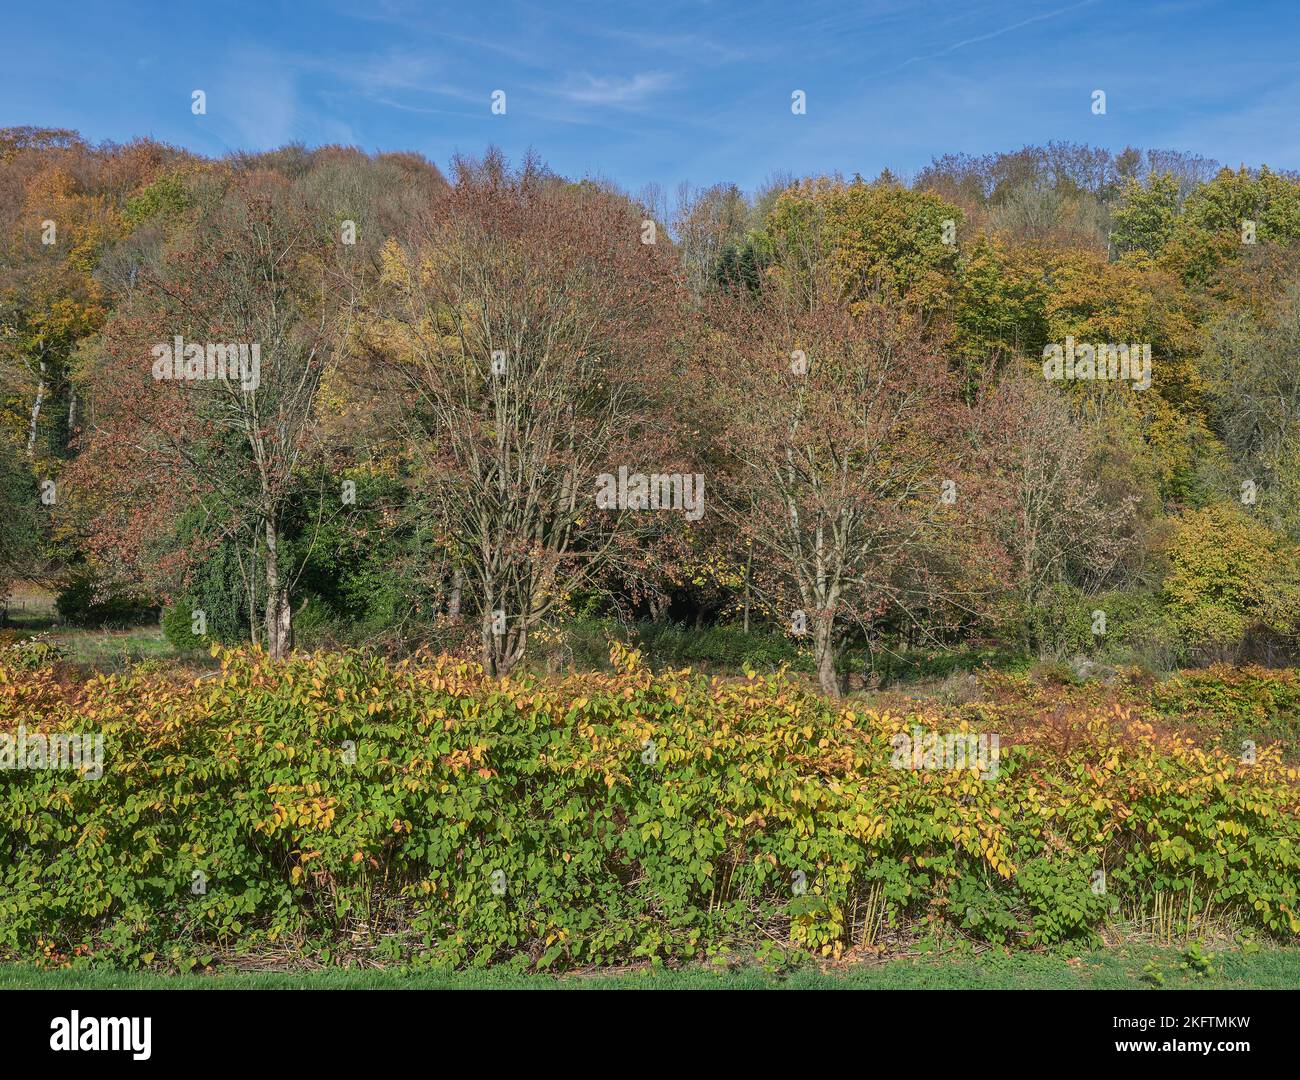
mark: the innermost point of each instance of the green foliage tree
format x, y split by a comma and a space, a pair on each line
1212, 229
1147, 214
20, 525
874, 238
1229, 575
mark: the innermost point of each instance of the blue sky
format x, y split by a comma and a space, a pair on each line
668, 91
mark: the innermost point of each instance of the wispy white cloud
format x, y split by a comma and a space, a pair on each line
692, 46
253, 102
612, 90
380, 76
393, 69
990, 35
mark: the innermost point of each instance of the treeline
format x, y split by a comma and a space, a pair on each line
1048, 398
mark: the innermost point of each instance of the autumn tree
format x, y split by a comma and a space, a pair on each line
1229, 576
519, 346
710, 225
1060, 523
836, 427
1145, 219
205, 395
20, 525
1251, 364
1221, 220
870, 239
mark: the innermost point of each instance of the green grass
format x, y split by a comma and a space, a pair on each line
32, 610
113, 649
1107, 969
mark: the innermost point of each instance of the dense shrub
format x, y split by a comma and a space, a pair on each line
217, 586
582, 644
31, 653
178, 626
1236, 704
1225, 708
1060, 624
723, 647
315, 625
1229, 575
83, 601
930, 664
1137, 627
425, 811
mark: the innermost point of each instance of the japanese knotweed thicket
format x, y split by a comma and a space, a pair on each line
339, 805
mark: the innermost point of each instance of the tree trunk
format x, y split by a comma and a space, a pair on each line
453, 600
36, 413
489, 644
286, 623
826, 654
749, 566
501, 652
279, 623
